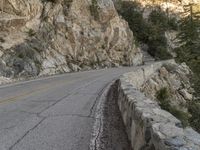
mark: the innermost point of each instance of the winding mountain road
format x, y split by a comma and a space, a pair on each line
53, 113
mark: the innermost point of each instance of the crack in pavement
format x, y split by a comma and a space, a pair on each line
44, 101
72, 115
8, 128
58, 115
20, 139
74, 91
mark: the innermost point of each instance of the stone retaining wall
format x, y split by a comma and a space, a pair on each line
148, 126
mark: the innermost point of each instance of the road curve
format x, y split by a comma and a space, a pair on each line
53, 113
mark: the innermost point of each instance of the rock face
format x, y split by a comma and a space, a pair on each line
175, 78
53, 36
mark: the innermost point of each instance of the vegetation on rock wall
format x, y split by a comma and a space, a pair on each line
189, 52
189, 38
94, 9
194, 108
31, 32
163, 96
151, 31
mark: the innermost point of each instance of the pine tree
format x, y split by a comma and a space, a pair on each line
189, 27
189, 52
189, 36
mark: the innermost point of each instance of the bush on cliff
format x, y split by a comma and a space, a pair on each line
151, 32
194, 108
163, 96
189, 52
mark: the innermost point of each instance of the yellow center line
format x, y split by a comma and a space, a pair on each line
37, 90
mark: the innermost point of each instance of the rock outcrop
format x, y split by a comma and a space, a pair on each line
148, 126
40, 37
175, 78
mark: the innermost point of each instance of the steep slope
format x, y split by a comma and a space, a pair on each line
173, 7
40, 37
169, 29
175, 78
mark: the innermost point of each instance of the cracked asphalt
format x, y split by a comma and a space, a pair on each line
59, 112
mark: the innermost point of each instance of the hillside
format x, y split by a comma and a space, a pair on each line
46, 37
169, 30
43, 37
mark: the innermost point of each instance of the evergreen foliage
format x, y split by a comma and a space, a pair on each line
195, 119
189, 36
94, 9
152, 31
189, 28
163, 96
189, 52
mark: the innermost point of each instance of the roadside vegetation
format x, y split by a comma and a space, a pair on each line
189, 52
151, 31
94, 9
163, 96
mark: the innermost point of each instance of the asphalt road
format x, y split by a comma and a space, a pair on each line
53, 113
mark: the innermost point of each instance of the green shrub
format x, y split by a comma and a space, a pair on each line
196, 84
131, 13
157, 43
21, 55
162, 20
181, 115
151, 32
94, 9
31, 32
173, 24
163, 96
159, 19
194, 109
158, 24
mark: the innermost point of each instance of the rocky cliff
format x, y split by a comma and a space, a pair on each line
175, 78
39, 37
